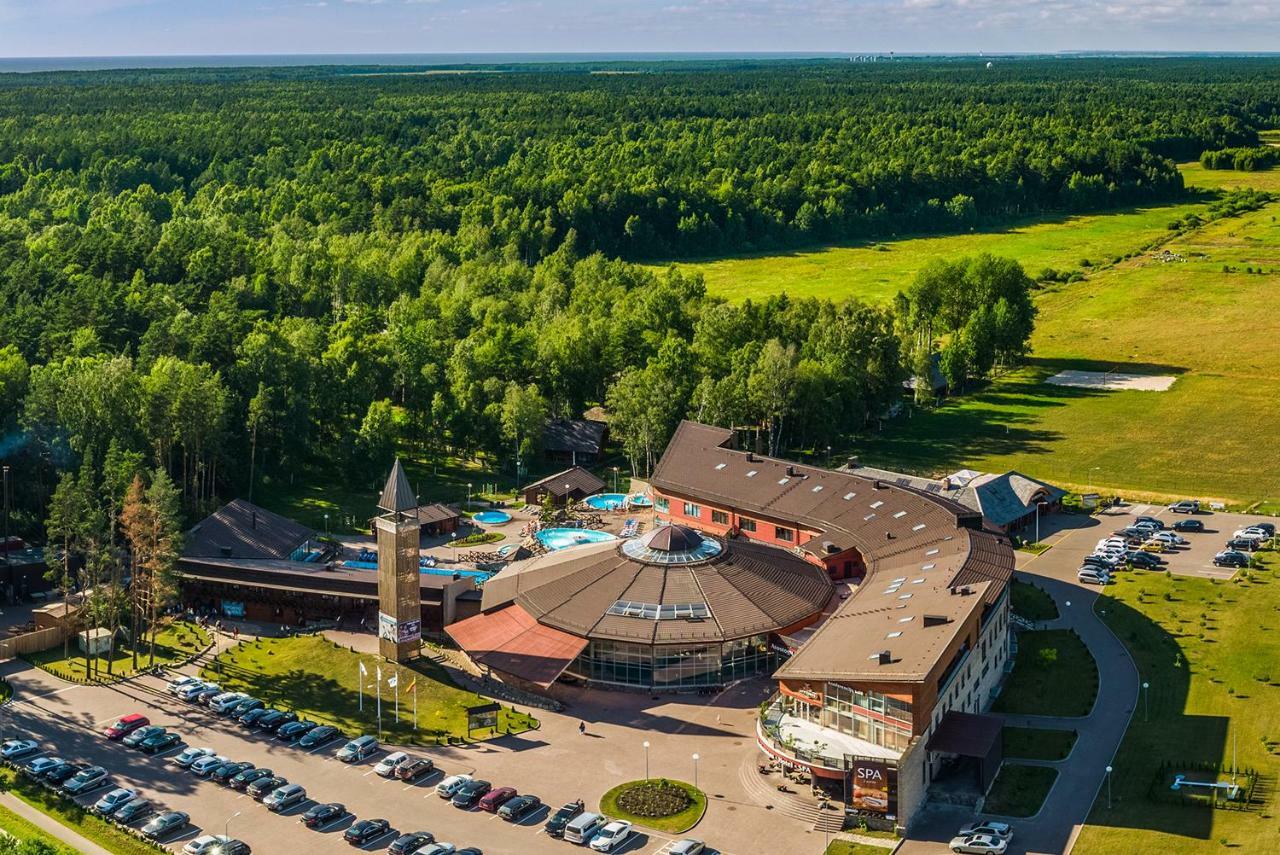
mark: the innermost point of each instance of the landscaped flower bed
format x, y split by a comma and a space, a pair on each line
661, 804
654, 799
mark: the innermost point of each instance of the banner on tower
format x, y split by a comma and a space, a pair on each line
399, 631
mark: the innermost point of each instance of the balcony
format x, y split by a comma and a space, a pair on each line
804, 743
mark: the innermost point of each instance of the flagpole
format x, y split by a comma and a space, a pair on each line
415, 704
379, 680
360, 680
397, 695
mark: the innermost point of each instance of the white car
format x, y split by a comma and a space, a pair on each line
207, 764
1120, 542
438, 849
978, 844
1003, 830
189, 691
611, 835
688, 846
1169, 538
1252, 534
40, 765
181, 683
190, 755
227, 700
1093, 576
450, 785
15, 748
205, 843
387, 766
114, 800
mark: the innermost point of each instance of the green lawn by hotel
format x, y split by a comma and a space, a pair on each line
1208, 652
1053, 674
175, 642
319, 680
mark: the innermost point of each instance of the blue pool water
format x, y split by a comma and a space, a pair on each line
563, 538
614, 501
479, 576
492, 517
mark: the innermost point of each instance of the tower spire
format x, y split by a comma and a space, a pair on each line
397, 496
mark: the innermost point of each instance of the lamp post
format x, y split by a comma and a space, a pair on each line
453, 546
1108, 788
326, 523
828, 457
567, 488
695, 771
468, 494
226, 827
5, 496
1145, 706
646, 759
615, 479
1039, 505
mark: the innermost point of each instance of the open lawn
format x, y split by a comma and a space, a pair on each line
1054, 674
1209, 652
319, 680
174, 643
1031, 602
19, 828
849, 847
1020, 790
1037, 743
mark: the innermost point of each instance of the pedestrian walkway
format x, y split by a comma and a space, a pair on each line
51, 826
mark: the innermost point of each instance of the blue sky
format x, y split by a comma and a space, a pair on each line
151, 27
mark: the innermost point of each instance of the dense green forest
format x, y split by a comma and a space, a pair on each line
230, 274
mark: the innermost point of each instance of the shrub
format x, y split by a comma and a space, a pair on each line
655, 799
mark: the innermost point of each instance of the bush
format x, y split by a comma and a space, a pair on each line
654, 799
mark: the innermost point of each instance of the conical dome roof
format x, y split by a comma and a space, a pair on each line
397, 495
672, 538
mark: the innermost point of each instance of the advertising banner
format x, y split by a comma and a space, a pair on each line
483, 716
874, 787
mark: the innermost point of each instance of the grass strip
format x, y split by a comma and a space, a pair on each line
674, 824
73, 816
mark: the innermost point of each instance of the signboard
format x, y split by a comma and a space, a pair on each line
483, 716
874, 787
1089, 501
398, 631
233, 608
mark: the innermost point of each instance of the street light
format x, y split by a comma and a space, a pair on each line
1145, 705
326, 523
615, 479
1039, 505
5, 495
646, 759
1108, 788
468, 494
226, 828
695, 771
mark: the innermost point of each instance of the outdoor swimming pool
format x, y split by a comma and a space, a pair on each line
614, 501
478, 576
492, 517
563, 538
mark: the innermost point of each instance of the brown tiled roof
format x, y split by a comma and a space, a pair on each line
242, 530
575, 477
511, 641
436, 512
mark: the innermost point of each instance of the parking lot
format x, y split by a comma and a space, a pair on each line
67, 720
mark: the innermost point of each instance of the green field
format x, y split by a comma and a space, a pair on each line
1020, 790
1208, 653
319, 680
1053, 674
174, 643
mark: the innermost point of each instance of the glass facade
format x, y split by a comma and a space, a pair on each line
672, 666
876, 718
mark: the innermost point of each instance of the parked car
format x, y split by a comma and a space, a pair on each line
231, 847
519, 807
1093, 576
133, 810
204, 765
386, 767
12, 749
1144, 560
205, 844
295, 730
408, 844
175, 686
1188, 525
64, 772
582, 827
688, 846
1169, 537
226, 701
1243, 544
496, 798
242, 780
283, 798
470, 793
1186, 506
415, 768
86, 781
611, 836
1253, 533
442, 849
37, 767
978, 844
122, 727
449, 787
159, 742
358, 749
319, 816
1151, 521
276, 719
190, 690
556, 823
224, 773
169, 822
187, 756
470, 850
206, 694
241, 707
364, 830
318, 736
113, 800
1003, 830
263, 787
1105, 562
1231, 558
1152, 546
134, 739
1267, 528
250, 718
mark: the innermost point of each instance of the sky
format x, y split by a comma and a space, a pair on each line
33, 28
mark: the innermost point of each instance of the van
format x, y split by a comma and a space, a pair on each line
583, 827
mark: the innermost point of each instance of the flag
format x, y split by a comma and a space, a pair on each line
393, 680
412, 684
364, 672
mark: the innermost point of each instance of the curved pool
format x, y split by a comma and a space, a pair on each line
563, 538
616, 501
492, 517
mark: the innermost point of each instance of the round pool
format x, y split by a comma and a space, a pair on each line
606, 501
640, 500
492, 517
563, 538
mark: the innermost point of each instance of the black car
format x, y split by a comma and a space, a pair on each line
1243, 544
251, 718
259, 789
1188, 525
133, 810
415, 769
470, 794
202, 697
555, 825
275, 719
1095, 561
137, 737
238, 709
322, 815
224, 773
319, 736
1151, 521
407, 844
165, 824
295, 730
364, 830
64, 772
1231, 558
470, 850
243, 779
520, 807
231, 847
1269, 528
159, 742
1144, 560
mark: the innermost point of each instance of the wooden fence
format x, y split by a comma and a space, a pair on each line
31, 642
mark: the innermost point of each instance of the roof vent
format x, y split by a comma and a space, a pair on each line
883, 657
791, 471
879, 485
888, 535
936, 620
830, 547
751, 457
962, 591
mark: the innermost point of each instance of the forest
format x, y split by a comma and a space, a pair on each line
227, 275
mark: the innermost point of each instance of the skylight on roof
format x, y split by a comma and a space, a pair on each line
751, 474
906, 619
874, 656
899, 580
720, 466
917, 581
817, 488
782, 481
895, 634
933, 551
918, 527
927, 566
868, 517
904, 596
848, 496
899, 515
877, 503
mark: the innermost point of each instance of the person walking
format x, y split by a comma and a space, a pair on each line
582, 727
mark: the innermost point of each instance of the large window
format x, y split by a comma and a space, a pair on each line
877, 718
662, 505
746, 524
783, 533
673, 666
691, 510
719, 518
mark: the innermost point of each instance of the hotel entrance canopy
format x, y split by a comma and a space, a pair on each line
511, 641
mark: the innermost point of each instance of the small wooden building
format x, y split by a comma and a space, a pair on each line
571, 485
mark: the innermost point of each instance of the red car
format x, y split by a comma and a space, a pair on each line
495, 799
127, 725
